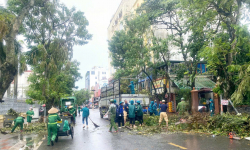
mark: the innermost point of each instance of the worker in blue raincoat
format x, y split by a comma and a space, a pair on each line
155, 112
152, 108
211, 107
132, 87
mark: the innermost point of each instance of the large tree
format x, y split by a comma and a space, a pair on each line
222, 23
11, 22
173, 19
51, 33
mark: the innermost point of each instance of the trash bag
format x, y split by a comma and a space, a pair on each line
66, 126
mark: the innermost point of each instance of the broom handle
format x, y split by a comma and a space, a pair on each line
91, 120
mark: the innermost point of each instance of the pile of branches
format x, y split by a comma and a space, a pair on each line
201, 123
32, 128
218, 124
12, 112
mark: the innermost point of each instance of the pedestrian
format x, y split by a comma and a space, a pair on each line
52, 125
181, 107
132, 87
131, 114
79, 110
18, 122
163, 113
85, 115
211, 107
139, 113
120, 115
155, 112
112, 110
159, 111
125, 112
72, 111
116, 117
30, 114
152, 108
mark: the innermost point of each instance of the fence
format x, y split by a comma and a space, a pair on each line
18, 105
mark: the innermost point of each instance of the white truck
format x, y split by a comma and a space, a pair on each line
112, 91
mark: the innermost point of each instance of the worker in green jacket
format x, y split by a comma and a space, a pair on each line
139, 112
112, 110
52, 125
72, 111
181, 107
18, 122
131, 114
30, 114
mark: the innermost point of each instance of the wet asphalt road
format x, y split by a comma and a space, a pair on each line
100, 139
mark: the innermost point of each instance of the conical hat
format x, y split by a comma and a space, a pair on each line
53, 110
70, 106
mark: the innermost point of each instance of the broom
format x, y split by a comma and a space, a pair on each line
94, 124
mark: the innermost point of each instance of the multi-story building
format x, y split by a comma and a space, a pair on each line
97, 75
116, 23
94, 80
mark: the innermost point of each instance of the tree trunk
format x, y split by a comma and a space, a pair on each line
15, 85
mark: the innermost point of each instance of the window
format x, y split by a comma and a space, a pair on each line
95, 77
104, 78
103, 72
95, 82
92, 72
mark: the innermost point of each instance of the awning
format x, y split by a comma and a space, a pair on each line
200, 83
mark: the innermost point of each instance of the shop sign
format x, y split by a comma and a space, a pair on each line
159, 85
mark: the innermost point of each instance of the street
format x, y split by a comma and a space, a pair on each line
99, 138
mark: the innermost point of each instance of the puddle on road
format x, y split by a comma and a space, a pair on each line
28, 142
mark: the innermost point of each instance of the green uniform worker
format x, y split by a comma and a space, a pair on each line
18, 122
181, 107
30, 114
52, 125
112, 110
72, 111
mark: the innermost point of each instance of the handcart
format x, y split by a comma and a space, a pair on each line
60, 129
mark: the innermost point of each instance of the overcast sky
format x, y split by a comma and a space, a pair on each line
95, 53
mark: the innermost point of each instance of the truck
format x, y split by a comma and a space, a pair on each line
67, 101
113, 91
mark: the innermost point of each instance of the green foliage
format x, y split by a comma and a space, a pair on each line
82, 96
51, 32
185, 93
58, 85
29, 101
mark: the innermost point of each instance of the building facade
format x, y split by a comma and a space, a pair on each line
23, 85
97, 75
95, 79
